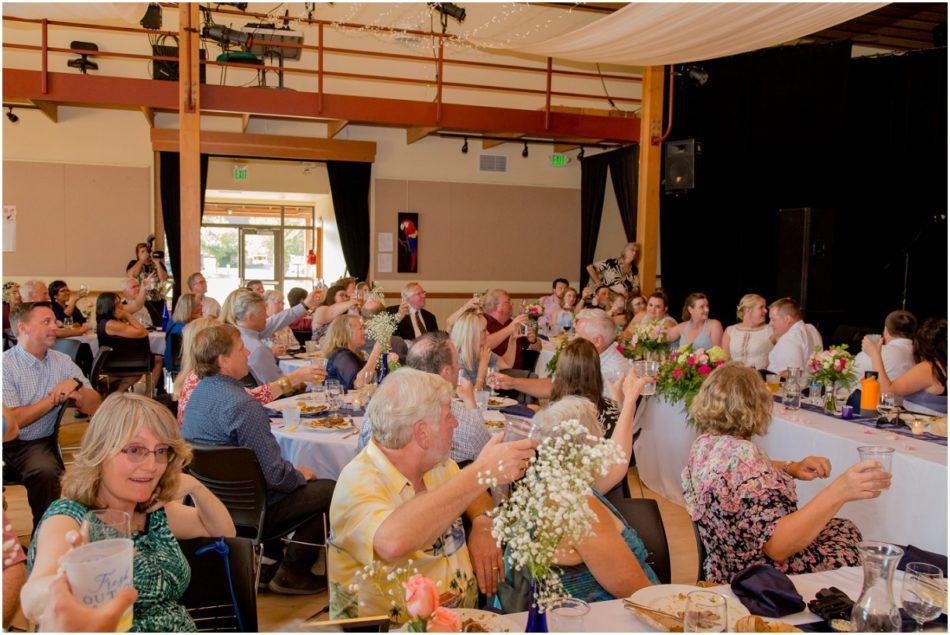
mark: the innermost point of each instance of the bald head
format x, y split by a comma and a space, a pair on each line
130, 289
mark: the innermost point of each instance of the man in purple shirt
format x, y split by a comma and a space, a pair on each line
551, 303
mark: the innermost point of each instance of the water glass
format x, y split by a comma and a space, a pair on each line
649, 369
923, 592
291, 415
568, 616
491, 379
706, 612
880, 453
481, 399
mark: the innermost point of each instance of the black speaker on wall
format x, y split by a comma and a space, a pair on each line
806, 251
680, 164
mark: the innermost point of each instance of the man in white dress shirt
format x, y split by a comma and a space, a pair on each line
898, 349
199, 286
795, 340
597, 328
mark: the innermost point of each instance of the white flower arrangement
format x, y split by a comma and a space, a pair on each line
376, 293
550, 504
388, 582
380, 328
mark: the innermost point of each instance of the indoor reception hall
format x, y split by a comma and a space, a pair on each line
474, 316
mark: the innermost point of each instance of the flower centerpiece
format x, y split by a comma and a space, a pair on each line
376, 293
551, 366
832, 368
549, 506
684, 371
648, 341
413, 596
534, 311
380, 329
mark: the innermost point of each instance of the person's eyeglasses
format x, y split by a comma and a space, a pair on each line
138, 454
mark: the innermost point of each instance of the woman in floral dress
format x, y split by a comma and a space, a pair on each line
745, 504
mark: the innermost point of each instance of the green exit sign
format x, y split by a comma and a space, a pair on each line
240, 172
558, 160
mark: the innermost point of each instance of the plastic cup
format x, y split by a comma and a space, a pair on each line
97, 571
647, 368
481, 399
881, 454
291, 415
568, 616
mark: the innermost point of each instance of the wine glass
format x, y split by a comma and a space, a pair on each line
706, 612
923, 592
67, 322
889, 405
491, 379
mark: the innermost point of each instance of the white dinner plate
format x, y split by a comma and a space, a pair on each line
671, 598
501, 402
488, 621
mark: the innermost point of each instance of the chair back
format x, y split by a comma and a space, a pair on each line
643, 514
97, 365
68, 346
234, 476
303, 336
175, 340
209, 599
701, 553
129, 356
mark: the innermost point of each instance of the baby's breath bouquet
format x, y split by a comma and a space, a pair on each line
549, 506
380, 328
376, 293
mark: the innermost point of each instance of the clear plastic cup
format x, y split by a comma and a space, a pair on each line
97, 571
650, 369
481, 399
880, 453
291, 415
568, 616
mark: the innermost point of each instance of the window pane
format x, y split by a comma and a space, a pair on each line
241, 214
297, 243
260, 262
298, 216
219, 260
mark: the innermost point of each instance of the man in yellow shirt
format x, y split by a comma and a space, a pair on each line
399, 503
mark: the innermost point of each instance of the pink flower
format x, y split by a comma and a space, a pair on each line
703, 358
620, 347
421, 597
444, 620
691, 360
677, 373
704, 370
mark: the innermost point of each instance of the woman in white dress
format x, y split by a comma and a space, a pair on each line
749, 341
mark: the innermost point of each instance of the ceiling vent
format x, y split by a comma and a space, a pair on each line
492, 163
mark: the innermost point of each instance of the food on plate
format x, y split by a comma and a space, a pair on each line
755, 624
473, 626
495, 402
328, 423
664, 622
492, 424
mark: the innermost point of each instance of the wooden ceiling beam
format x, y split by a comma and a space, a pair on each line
417, 133
491, 143
245, 119
269, 146
48, 108
149, 114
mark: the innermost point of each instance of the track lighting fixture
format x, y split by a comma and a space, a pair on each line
13, 118
465, 146
580, 155
524, 152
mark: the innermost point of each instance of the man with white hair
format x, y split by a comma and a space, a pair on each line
416, 320
796, 340
399, 502
37, 291
133, 301
250, 316
595, 326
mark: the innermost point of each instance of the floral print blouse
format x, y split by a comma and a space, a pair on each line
736, 496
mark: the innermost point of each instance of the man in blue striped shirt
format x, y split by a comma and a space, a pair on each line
37, 383
221, 412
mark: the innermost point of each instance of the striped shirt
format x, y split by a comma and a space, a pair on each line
27, 380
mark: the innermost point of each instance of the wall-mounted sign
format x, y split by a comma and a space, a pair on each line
240, 172
558, 160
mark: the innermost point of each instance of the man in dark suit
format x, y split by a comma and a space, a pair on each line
415, 320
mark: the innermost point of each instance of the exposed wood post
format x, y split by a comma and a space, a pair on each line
547, 98
320, 68
189, 141
648, 189
44, 81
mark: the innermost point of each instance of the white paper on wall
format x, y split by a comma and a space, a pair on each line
384, 241
9, 227
384, 263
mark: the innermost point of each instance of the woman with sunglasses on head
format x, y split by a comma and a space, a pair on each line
131, 460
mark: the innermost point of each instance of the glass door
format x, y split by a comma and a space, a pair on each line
260, 256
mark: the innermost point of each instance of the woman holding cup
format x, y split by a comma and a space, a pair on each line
130, 460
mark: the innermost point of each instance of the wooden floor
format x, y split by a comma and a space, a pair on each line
278, 612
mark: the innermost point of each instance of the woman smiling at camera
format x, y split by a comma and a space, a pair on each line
131, 460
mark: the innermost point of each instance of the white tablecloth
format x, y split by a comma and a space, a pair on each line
913, 511
611, 616
547, 352
324, 453
156, 342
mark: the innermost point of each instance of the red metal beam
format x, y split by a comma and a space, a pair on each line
96, 90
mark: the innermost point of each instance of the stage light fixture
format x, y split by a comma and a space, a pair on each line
152, 19
524, 152
449, 9
697, 74
13, 118
465, 146
225, 36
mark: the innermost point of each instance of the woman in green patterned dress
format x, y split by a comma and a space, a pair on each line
131, 460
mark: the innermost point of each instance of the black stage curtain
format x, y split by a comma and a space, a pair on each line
349, 187
169, 176
897, 183
624, 168
770, 125
593, 187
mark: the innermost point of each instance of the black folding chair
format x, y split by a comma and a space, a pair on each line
97, 365
135, 361
700, 552
221, 597
68, 346
643, 514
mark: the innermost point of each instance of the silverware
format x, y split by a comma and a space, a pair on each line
631, 604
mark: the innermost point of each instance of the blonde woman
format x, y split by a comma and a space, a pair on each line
265, 393
745, 504
469, 335
341, 347
620, 274
749, 341
131, 460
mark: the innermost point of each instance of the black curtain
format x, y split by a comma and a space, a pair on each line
593, 186
896, 179
349, 187
771, 128
169, 177
624, 166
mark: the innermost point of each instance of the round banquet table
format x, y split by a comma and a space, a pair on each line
324, 453
156, 342
913, 511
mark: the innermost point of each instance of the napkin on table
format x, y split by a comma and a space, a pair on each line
767, 592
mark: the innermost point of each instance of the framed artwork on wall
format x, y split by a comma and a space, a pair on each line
408, 254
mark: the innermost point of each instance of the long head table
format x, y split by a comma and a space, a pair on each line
912, 511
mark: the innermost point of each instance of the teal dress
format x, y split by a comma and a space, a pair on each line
160, 571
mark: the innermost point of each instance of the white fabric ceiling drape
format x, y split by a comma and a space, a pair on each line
654, 34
